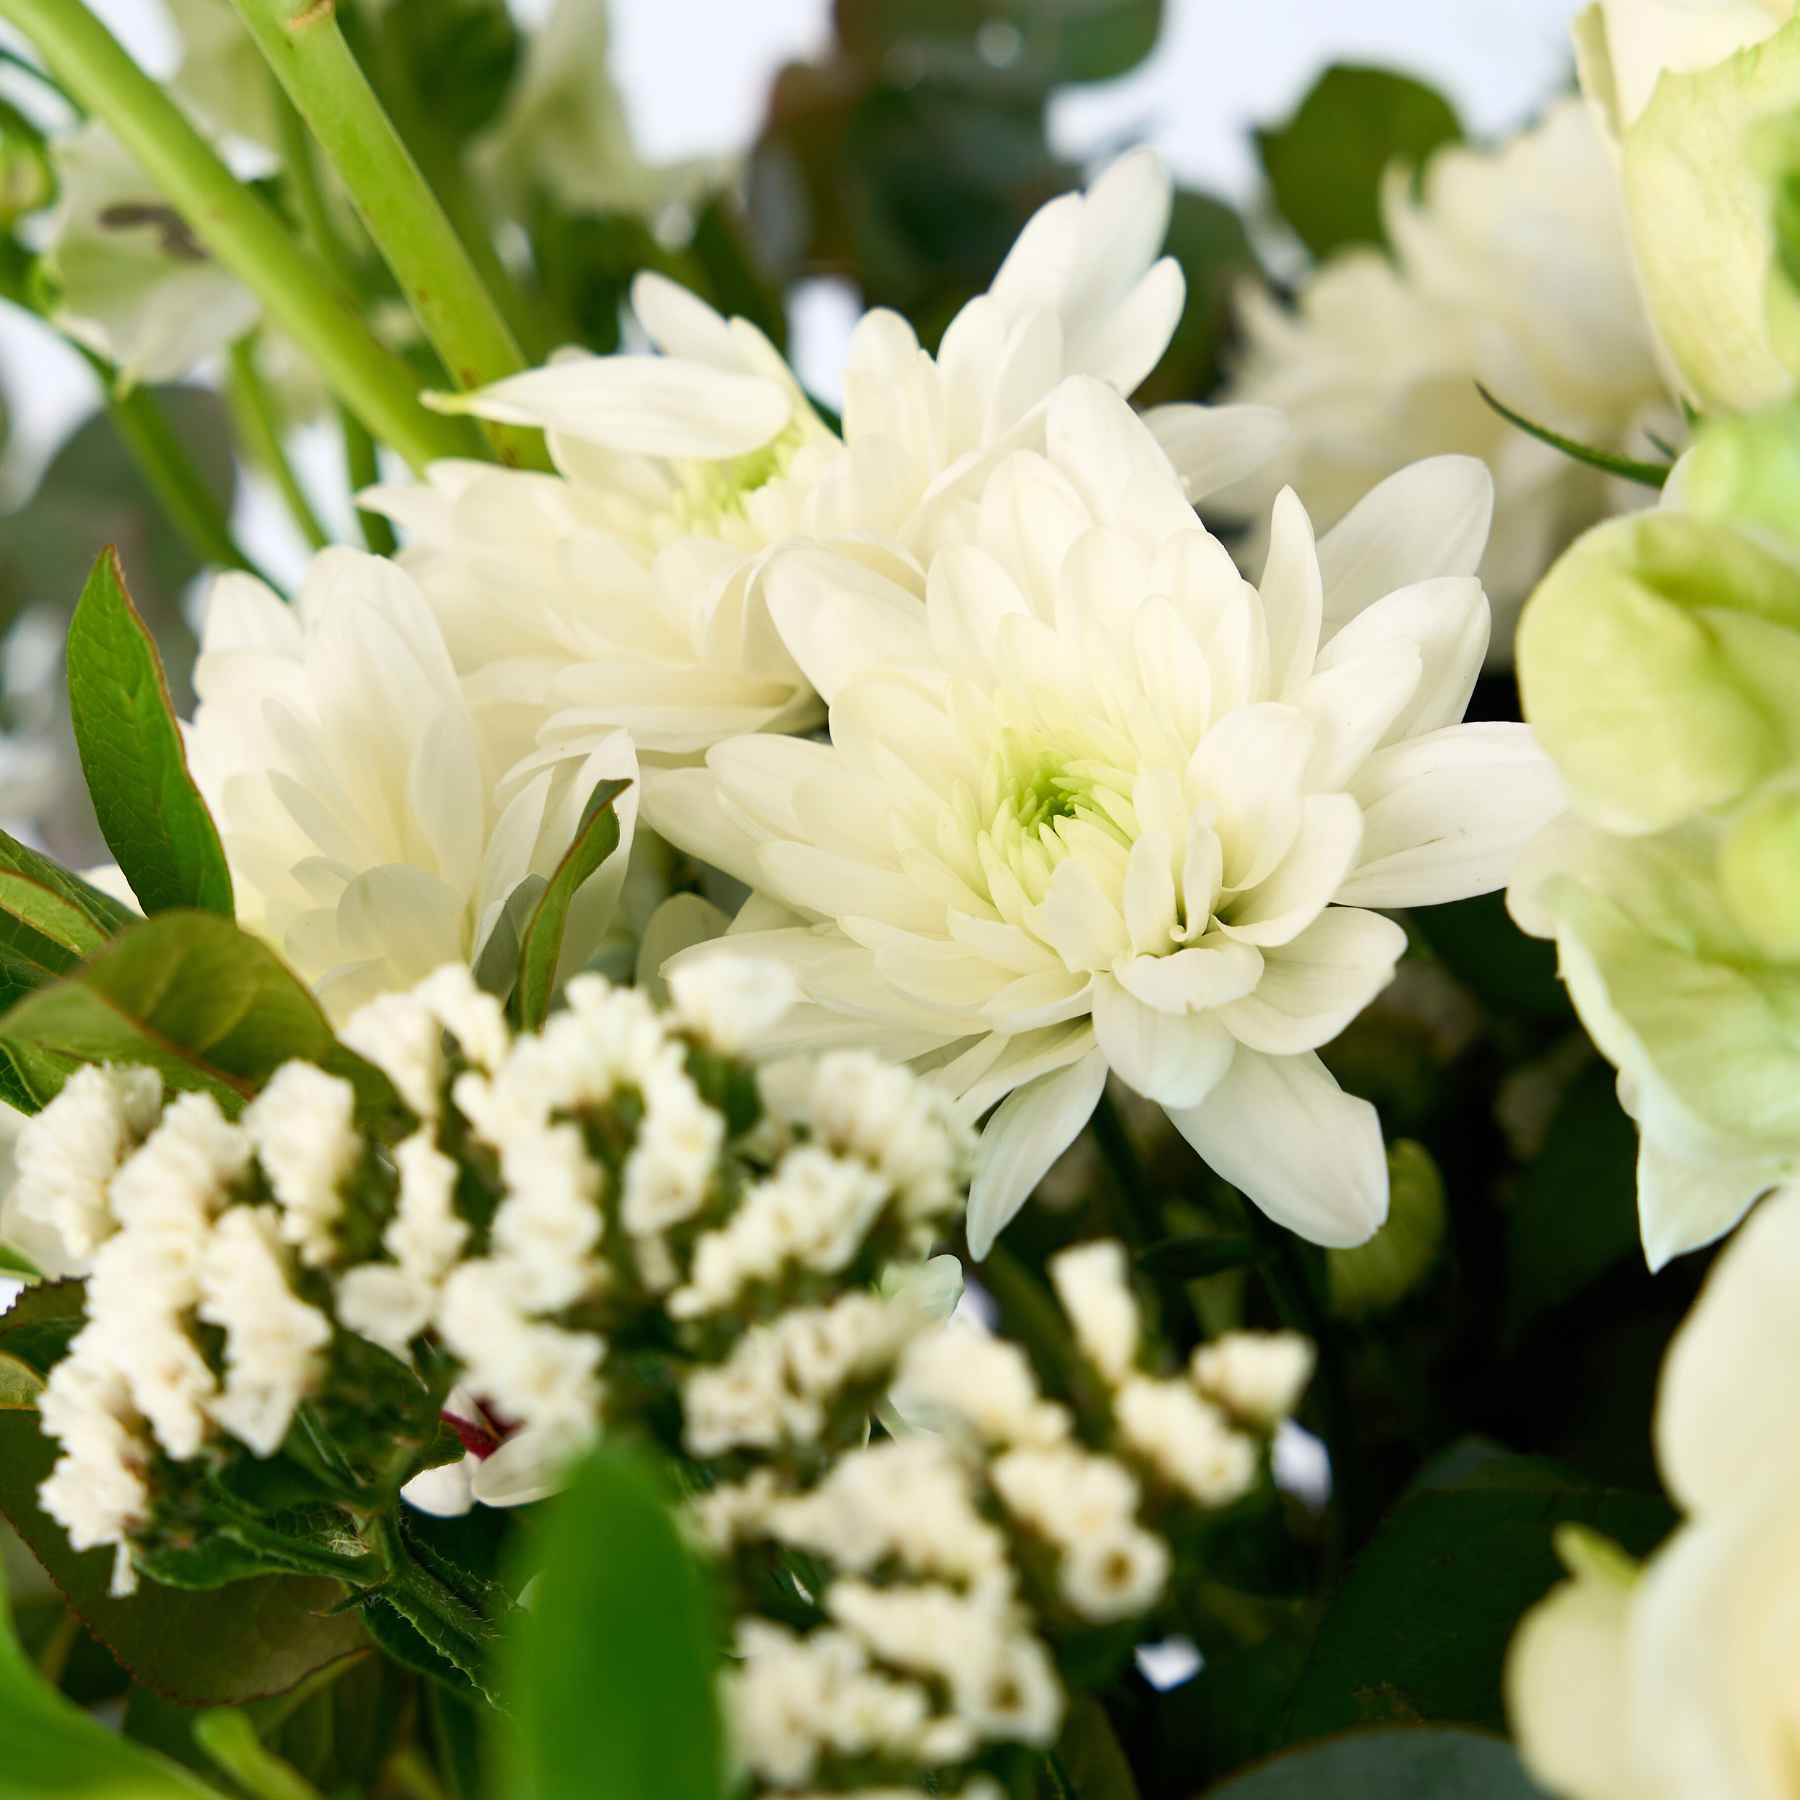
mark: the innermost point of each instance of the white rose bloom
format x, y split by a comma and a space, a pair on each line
1092, 801
1680, 88
131, 282
1679, 1681
1626, 45
369, 833
1510, 267
627, 591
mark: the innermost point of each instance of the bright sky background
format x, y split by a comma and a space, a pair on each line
695, 73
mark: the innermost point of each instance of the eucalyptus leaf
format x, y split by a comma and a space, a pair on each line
216, 1648
1325, 165
154, 819
1419, 1764
540, 945
191, 995
50, 1748
1419, 1629
611, 1673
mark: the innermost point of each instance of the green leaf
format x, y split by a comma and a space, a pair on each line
1208, 238
50, 1748
1627, 468
611, 1674
15, 1264
35, 1330
191, 995
49, 917
1054, 41
150, 811
540, 948
1423, 1764
1326, 163
1088, 1757
1419, 1629
1574, 1215
216, 1648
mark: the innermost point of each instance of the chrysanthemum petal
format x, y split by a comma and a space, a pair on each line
1281, 1129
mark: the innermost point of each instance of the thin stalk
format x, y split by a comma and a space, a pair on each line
259, 424
236, 226
362, 466
230, 1740
362, 469
172, 475
302, 43
53, 1658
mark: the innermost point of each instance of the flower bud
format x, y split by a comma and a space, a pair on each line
1759, 874
1658, 661
1375, 1277
1747, 472
1695, 187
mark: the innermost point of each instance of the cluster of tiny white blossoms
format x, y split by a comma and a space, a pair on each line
958, 1555
615, 1176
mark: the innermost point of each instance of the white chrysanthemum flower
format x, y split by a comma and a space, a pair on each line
626, 592
1510, 267
1098, 803
368, 831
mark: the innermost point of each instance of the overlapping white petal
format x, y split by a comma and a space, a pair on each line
370, 834
628, 590
1511, 268
1093, 802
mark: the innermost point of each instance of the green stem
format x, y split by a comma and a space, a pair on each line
306, 190
236, 226
172, 475
362, 469
230, 1740
259, 425
302, 43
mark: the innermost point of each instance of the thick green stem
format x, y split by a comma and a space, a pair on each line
260, 427
236, 226
301, 42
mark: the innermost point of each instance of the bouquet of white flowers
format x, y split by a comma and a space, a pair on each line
529, 1025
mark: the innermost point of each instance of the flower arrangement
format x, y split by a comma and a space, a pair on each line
1013, 1082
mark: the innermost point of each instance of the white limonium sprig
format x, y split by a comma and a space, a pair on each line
614, 1190
558, 1190
954, 1563
1093, 802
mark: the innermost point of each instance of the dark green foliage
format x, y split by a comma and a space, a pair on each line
1325, 164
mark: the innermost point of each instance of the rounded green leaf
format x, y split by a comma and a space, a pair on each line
612, 1671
